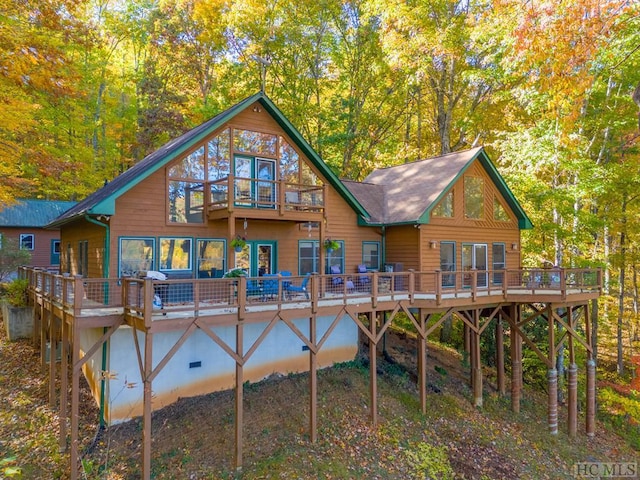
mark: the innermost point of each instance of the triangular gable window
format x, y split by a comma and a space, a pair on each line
445, 207
499, 212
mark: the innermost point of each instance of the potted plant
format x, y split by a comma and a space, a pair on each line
16, 312
238, 243
331, 245
235, 273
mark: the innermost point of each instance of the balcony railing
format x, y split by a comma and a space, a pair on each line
266, 194
86, 297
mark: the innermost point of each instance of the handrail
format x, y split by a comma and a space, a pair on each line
244, 294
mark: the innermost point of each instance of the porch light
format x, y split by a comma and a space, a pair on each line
433, 243
514, 246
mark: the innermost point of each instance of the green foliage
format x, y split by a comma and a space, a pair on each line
15, 292
622, 412
11, 257
428, 461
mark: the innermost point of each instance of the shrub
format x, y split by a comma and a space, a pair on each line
15, 292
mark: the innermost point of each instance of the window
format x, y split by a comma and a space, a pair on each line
175, 253
473, 198
218, 156
255, 142
448, 263
136, 255
309, 257
186, 189
211, 258
27, 241
371, 255
499, 212
499, 263
83, 258
445, 207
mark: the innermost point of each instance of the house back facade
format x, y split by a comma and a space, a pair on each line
248, 175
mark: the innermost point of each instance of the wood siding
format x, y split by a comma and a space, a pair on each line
41, 253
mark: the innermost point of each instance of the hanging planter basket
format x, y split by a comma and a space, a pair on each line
238, 243
331, 245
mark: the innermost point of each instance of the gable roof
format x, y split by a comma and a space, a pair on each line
102, 202
412, 190
33, 213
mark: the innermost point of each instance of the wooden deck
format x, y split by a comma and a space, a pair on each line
558, 297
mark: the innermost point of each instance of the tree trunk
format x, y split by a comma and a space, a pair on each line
621, 282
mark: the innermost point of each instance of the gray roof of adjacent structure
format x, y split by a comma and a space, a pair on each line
33, 213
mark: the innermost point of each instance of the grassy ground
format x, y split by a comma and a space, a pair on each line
194, 438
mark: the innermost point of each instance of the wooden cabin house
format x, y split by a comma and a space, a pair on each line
234, 252
24, 223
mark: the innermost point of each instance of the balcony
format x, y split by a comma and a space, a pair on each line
96, 302
260, 198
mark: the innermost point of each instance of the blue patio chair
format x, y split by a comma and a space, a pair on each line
363, 280
253, 289
302, 288
270, 286
285, 281
335, 270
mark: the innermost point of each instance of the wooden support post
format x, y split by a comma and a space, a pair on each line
76, 371
591, 398
552, 377
373, 366
146, 407
313, 382
422, 364
573, 400
64, 373
500, 357
477, 370
516, 362
552, 374
239, 409
53, 347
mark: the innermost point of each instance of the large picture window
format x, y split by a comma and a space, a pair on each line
175, 253
136, 255
473, 198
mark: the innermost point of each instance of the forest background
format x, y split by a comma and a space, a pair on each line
89, 87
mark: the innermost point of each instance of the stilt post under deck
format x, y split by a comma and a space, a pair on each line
516, 362
53, 348
239, 395
76, 371
64, 373
573, 400
373, 367
146, 407
313, 382
422, 364
477, 368
552, 375
500, 357
591, 398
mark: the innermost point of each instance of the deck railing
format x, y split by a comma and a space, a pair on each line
266, 194
147, 297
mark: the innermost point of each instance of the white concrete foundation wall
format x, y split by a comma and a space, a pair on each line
281, 351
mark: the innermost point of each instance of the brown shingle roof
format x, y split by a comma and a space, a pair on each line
410, 189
